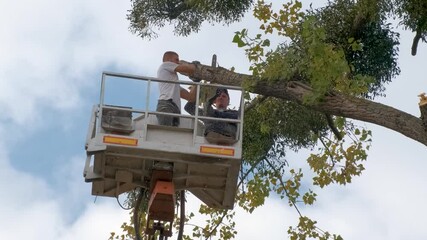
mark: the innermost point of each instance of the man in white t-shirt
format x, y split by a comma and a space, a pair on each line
170, 93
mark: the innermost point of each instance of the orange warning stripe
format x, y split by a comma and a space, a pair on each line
121, 140
217, 150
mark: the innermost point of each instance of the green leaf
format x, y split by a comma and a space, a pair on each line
238, 40
266, 43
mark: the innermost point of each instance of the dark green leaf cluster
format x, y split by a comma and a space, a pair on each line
364, 22
275, 125
187, 16
413, 14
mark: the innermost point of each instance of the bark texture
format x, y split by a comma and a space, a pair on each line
334, 104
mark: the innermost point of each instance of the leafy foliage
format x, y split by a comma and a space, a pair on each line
276, 124
362, 23
338, 163
346, 47
338, 47
221, 219
186, 15
307, 229
413, 15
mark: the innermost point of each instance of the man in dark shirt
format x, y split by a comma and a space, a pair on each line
218, 132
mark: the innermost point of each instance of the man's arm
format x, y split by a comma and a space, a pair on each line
190, 96
185, 68
226, 114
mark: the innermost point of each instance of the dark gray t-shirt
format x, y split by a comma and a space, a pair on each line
224, 128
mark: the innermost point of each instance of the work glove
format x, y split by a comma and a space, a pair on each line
193, 78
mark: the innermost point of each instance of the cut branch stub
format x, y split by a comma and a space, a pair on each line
423, 108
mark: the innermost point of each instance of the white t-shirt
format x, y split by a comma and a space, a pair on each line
166, 71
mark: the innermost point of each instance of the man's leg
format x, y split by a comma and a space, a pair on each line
217, 138
167, 106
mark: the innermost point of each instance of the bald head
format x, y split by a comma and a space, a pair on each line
171, 56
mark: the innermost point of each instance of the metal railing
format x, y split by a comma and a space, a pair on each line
148, 96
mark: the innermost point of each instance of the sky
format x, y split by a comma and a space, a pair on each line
52, 56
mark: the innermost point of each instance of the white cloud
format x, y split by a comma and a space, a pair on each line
31, 209
49, 50
97, 222
271, 221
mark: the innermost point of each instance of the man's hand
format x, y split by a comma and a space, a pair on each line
183, 62
193, 78
212, 99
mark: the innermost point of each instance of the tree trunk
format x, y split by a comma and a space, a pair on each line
334, 104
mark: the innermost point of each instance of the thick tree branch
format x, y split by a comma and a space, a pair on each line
334, 104
423, 108
415, 43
